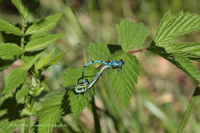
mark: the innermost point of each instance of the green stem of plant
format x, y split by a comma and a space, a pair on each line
96, 118
27, 123
22, 42
189, 109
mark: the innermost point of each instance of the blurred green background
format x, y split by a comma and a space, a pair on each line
163, 91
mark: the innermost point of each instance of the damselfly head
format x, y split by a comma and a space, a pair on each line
121, 62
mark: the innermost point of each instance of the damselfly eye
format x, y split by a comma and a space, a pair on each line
121, 61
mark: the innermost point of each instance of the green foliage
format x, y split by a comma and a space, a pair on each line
123, 82
26, 8
190, 48
42, 42
188, 65
78, 102
45, 62
44, 24
8, 126
10, 49
5, 63
20, 95
102, 53
15, 78
9, 29
131, 34
51, 111
31, 57
3, 112
173, 27
178, 54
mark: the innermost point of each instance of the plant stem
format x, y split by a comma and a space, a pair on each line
27, 124
137, 51
22, 42
189, 109
96, 118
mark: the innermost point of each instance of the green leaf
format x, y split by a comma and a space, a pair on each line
26, 8
179, 60
123, 82
20, 95
9, 28
131, 34
3, 112
68, 80
44, 24
49, 116
9, 126
30, 58
55, 59
171, 28
191, 48
10, 49
15, 78
42, 42
46, 62
51, 111
188, 66
99, 51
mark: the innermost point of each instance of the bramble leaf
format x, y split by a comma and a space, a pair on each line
9, 28
99, 51
191, 48
180, 60
131, 34
44, 24
67, 80
42, 42
188, 66
10, 49
51, 111
26, 8
15, 78
173, 27
123, 82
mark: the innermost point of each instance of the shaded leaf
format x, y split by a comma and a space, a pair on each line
181, 61
188, 66
5, 63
